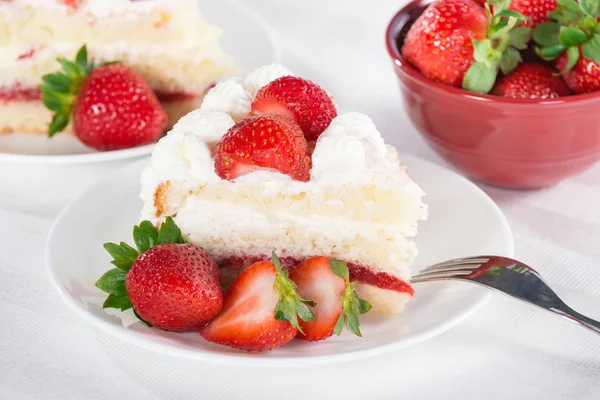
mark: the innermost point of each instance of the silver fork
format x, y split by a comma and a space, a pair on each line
507, 276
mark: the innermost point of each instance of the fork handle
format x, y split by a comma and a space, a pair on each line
581, 319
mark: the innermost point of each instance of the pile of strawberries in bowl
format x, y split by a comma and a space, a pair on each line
503, 90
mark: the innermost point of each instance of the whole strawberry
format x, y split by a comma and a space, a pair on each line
531, 81
262, 310
300, 99
112, 107
572, 40
267, 141
583, 76
170, 284
459, 43
327, 282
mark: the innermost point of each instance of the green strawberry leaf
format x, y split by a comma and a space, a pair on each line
547, 34
482, 51
550, 53
170, 233
511, 13
480, 78
364, 306
60, 89
304, 312
570, 37
499, 5
509, 61
82, 60
339, 325
590, 7
123, 255
145, 236
340, 269
591, 48
353, 324
519, 37
122, 303
113, 282
572, 58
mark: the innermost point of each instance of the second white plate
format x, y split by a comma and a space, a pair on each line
463, 221
236, 20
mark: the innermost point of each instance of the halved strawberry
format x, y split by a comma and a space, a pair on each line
300, 99
263, 142
260, 311
327, 282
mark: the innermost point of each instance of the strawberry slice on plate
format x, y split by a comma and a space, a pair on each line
261, 311
263, 142
304, 101
327, 282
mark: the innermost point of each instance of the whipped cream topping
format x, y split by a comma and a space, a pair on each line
350, 152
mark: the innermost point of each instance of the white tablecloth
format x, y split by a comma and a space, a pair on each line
506, 351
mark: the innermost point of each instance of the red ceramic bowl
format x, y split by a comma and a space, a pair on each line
522, 144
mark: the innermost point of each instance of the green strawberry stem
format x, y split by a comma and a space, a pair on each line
573, 26
352, 305
145, 236
499, 51
290, 305
60, 89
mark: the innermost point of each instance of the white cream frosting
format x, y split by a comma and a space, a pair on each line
263, 76
350, 152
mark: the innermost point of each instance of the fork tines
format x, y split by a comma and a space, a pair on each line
450, 269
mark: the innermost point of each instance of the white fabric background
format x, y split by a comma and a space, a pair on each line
506, 351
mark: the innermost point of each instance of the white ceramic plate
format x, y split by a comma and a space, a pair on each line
463, 221
236, 20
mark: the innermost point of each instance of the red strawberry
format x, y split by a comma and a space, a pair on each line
264, 142
583, 77
455, 43
571, 40
261, 310
531, 81
171, 285
300, 99
536, 10
440, 43
327, 283
112, 106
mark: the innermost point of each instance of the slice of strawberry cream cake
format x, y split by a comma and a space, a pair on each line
166, 41
267, 164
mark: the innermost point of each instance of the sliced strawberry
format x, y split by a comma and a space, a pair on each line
263, 142
327, 283
260, 311
298, 98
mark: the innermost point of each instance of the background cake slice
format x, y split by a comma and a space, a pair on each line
358, 205
166, 41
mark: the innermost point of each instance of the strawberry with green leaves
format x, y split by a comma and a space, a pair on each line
327, 282
111, 106
572, 40
459, 43
261, 311
170, 284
